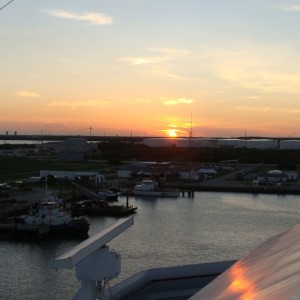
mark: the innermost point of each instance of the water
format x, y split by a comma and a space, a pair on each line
209, 227
20, 142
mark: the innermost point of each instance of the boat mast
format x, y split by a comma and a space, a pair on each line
46, 187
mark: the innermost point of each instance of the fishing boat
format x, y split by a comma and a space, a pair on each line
149, 187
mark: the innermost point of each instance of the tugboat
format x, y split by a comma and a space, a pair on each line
58, 219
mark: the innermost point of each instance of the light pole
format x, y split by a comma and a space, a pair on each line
90, 128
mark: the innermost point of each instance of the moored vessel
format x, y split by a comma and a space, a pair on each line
58, 219
148, 187
108, 195
101, 208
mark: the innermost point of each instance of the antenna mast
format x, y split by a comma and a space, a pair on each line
191, 129
6, 4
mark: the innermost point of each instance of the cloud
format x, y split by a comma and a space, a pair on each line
170, 102
266, 68
267, 109
89, 17
27, 94
163, 62
142, 60
292, 8
78, 104
166, 54
170, 52
255, 108
143, 100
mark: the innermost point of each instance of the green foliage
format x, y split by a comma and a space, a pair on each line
127, 151
115, 152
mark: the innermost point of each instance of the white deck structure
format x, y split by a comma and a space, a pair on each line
94, 261
271, 271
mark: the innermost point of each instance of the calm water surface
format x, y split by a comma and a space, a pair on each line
208, 227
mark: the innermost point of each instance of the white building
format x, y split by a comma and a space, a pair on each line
188, 175
91, 177
124, 172
261, 144
234, 143
14, 153
222, 143
207, 172
71, 145
166, 142
273, 177
289, 144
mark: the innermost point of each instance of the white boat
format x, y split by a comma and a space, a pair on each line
108, 195
59, 220
148, 187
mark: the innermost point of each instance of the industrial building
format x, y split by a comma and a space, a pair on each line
222, 143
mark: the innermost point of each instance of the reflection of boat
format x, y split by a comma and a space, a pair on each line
58, 219
101, 208
148, 187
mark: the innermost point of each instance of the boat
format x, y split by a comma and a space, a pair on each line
101, 208
148, 187
108, 195
58, 218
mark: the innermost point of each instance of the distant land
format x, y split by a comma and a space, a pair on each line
95, 138
29, 137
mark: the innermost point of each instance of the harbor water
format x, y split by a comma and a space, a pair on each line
209, 227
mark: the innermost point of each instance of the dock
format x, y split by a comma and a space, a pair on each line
189, 193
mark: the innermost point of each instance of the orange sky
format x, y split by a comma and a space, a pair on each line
115, 69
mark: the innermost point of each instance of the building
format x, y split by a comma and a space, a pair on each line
78, 176
272, 177
71, 150
162, 170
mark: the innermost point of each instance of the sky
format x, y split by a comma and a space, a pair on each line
150, 67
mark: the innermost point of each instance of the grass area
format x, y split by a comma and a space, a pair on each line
263, 168
22, 167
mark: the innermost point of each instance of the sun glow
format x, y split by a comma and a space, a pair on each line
172, 133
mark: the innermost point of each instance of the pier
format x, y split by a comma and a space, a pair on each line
190, 193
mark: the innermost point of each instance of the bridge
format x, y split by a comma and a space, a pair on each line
48, 138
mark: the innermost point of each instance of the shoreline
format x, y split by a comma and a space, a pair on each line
236, 188
251, 189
